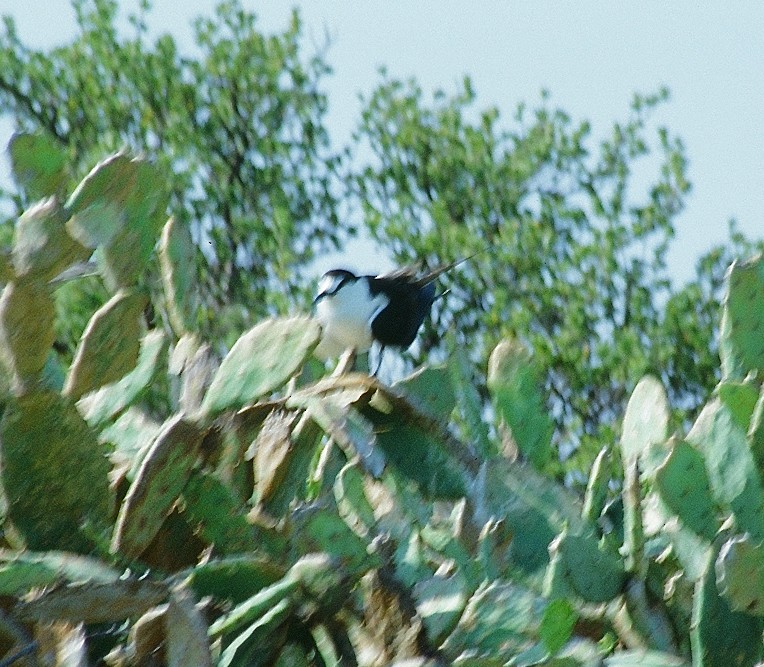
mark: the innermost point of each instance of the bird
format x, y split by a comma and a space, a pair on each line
355, 311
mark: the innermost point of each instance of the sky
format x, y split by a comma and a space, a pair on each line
591, 56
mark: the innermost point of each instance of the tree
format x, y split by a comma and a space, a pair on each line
571, 246
572, 238
238, 124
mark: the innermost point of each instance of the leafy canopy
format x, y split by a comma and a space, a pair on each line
239, 124
572, 241
576, 234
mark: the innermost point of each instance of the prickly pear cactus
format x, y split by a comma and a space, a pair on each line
683, 485
39, 165
261, 360
338, 520
741, 342
515, 387
721, 636
50, 455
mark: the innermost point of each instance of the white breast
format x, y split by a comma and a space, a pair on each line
346, 318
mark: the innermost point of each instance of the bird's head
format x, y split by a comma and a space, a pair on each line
332, 282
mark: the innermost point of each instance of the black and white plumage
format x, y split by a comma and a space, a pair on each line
355, 311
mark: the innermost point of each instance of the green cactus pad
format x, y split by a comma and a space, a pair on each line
721, 637
350, 430
683, 485
98, 207
557, 624
38, 164
514, 384
186, 631
109, 346
54, 473
130, 436
120, 206
109, 401
220, 519
740, 575
732, 473
325, 579
645, 425
756, 433
323, 530
6, 267
418, 455
469, 402
741, 339
352, 504
287, 479
440, 602
235, 578
93, 602
273, 449
42, 247
261, 360
594, 574
256, 606
534, 508
125, 257
430, 390
27, 314
597, 486
259, 644
740, 399
23, 571
177, 256
158, 484
643, 658
690, 549
499, 619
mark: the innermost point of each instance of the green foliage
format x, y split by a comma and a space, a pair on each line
39, 165
339, 520
574, 266
237, 123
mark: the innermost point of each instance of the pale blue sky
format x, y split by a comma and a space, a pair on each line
591, 56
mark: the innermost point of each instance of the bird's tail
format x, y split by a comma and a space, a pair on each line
428, 277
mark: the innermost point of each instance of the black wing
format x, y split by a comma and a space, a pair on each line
397, 323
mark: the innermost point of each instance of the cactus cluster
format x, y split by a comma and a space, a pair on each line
261, 516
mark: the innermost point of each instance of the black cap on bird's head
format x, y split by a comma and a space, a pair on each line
332, 281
